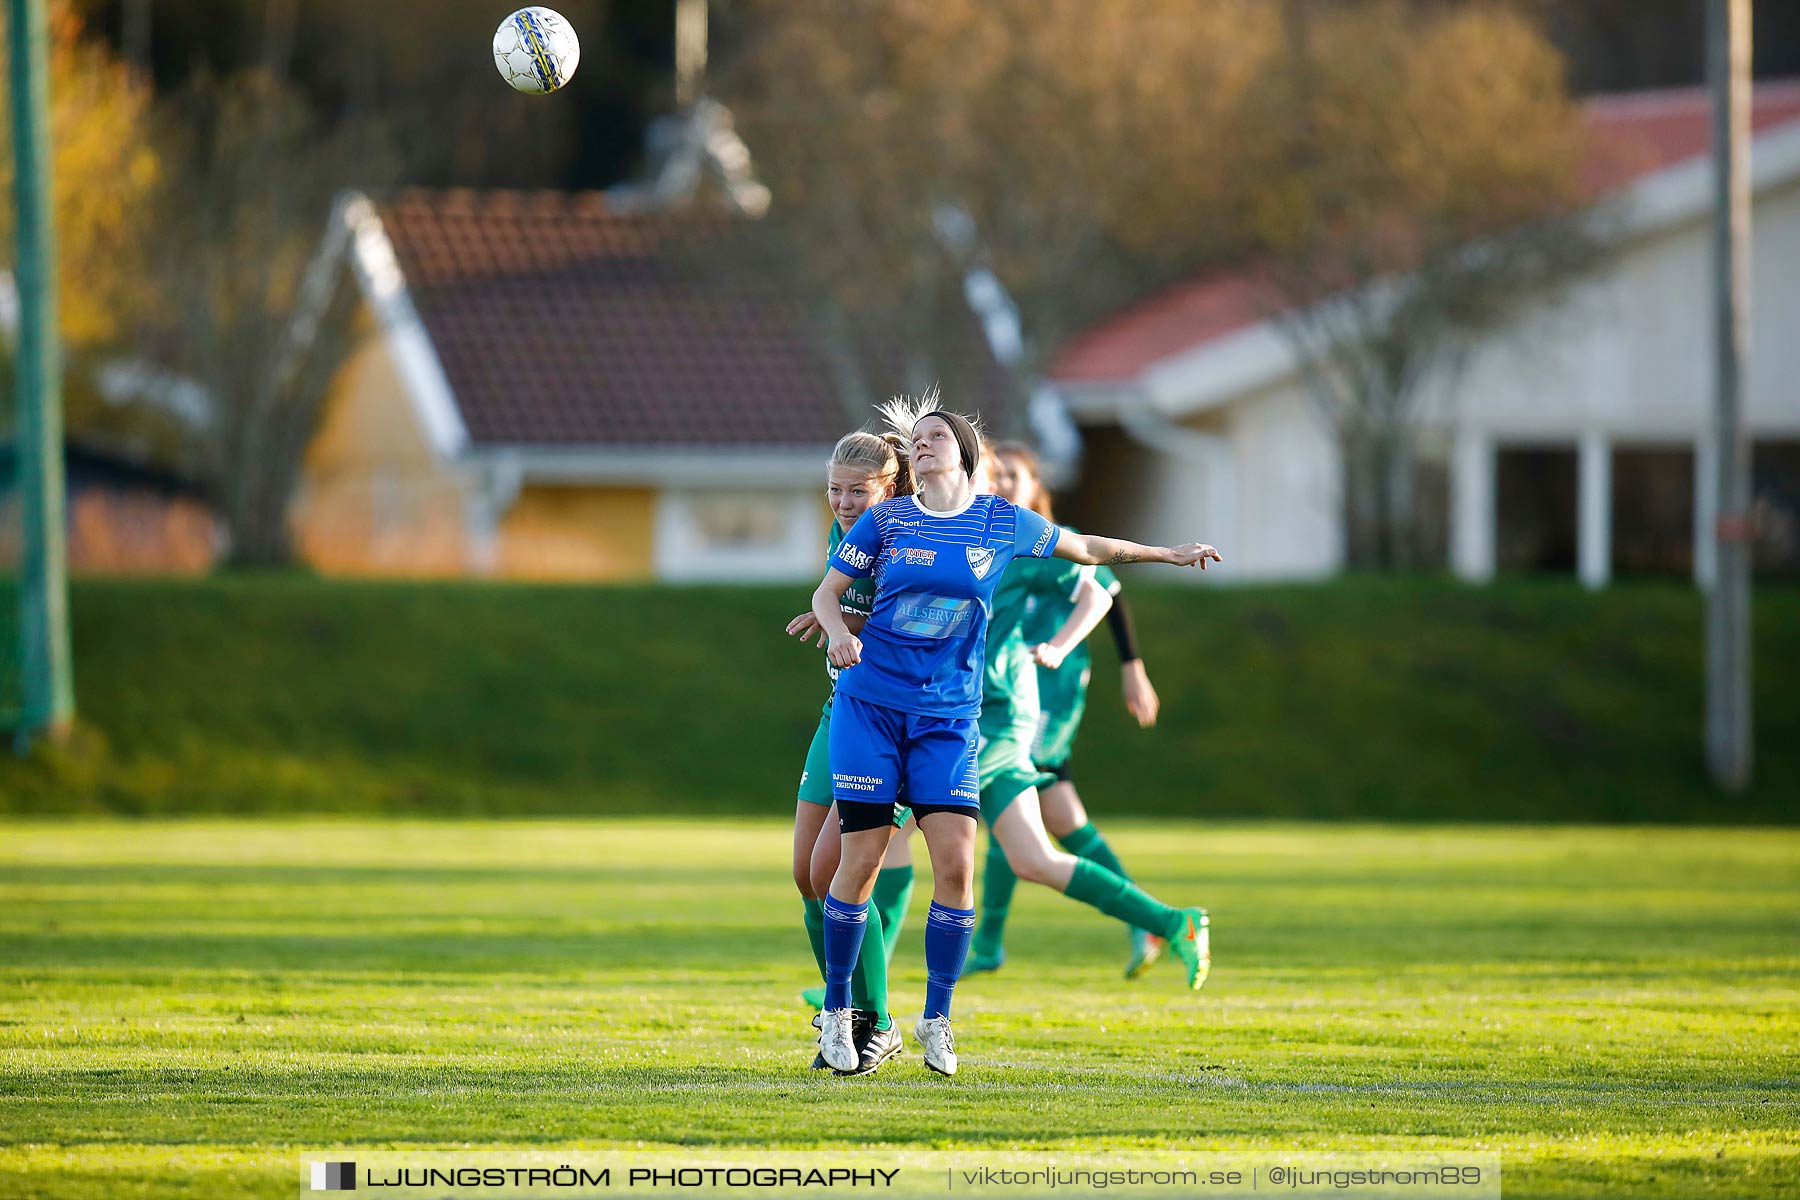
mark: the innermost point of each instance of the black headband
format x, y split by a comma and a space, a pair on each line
967, 440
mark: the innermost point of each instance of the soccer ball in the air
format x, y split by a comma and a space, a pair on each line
536, 50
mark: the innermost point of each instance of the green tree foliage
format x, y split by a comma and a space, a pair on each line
106, 177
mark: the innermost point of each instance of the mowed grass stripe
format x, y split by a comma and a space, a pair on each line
188, 1006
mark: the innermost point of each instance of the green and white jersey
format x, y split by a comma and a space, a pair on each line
1045, 614
1062, 693
1007, 683
859, 599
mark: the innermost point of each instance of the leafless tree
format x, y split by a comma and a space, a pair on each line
1419, 185
1086, 143
238, 244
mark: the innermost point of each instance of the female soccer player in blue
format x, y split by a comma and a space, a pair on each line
908, 698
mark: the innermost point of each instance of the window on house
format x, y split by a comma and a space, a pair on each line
1653, 511
1775, 491
1536, 501
739, 521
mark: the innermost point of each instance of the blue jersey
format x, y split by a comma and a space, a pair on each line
935, 575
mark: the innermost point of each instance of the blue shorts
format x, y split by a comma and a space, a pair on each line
879, 753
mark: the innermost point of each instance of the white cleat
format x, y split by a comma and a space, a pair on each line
836, 1040
933, 1033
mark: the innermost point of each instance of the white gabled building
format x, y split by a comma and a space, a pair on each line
1574, 438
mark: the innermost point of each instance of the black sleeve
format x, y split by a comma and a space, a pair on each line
1118, 619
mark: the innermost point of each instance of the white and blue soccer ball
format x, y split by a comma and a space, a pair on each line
536, 50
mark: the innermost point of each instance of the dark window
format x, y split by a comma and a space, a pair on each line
1653, 512
1775, 488
1535, 501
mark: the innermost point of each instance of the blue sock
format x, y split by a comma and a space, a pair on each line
844, 925
947, 933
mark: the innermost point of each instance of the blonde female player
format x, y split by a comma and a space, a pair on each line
864, 468
1055, 626
904, 718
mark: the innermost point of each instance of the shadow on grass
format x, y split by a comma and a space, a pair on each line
625, 947
306, 876
782, 1102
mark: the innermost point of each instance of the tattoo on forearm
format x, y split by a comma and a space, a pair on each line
1117, 557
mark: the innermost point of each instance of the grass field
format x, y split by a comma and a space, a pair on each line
187, 1008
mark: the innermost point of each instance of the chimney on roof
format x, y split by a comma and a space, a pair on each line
690, 51
696, 142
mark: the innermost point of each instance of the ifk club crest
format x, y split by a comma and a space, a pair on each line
981, 560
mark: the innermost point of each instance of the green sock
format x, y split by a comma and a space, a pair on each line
1087, 843
997, 884
1118, 897
868, 982
815, 933
893, 892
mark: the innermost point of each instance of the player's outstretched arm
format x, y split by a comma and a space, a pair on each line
1093, 550
1091, 603
844, 648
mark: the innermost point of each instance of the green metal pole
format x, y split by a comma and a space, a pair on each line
43, 591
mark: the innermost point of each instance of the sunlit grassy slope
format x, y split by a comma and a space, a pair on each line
1364, 698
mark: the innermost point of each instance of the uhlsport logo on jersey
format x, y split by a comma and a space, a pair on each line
981, 560
334, 1177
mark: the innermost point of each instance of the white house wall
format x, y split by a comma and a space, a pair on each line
1774, 398
796, 554
1268, 498
1164, 502
1628, 360
1631, 356
1289, 478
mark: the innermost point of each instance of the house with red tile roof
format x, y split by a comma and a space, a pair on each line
1574, 439
567, 387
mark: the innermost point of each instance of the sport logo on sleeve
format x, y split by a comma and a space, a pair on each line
981, 560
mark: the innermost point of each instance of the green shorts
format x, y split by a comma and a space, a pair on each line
815, 777
1006, 768
1063, 695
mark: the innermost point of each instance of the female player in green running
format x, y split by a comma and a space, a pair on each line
1055, 626
1019, 845
865, 468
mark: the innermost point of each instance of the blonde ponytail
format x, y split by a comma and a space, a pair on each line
903, 481
876, 454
